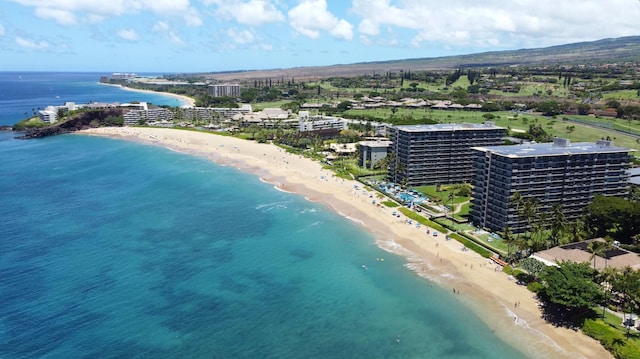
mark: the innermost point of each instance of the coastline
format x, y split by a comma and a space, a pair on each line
489, 292
185, 101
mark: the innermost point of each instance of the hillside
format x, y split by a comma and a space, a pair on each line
606, 50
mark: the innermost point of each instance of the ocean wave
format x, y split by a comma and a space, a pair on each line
272, 206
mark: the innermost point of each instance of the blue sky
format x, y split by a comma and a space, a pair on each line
229, 35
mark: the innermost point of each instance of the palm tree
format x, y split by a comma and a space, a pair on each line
576, 230
607, 278
558, 223
596, 248
628, 284
516, 200
450, 197
608, 245
529, 211
509, 239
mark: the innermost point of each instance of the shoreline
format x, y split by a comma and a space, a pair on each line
185, 101
479, 284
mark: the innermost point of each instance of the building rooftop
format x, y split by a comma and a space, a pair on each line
448, 127
382, 143
560, 146
579, 252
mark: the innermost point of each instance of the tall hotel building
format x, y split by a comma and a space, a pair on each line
222, 90
558, 172
438, 154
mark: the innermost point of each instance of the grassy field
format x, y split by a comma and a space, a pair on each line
621, 95
521, 122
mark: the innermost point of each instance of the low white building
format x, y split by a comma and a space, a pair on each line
308, 122
48, 115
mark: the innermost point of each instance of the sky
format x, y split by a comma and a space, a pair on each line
231, 35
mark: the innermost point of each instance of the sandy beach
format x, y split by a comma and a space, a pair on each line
185, 101
478, 282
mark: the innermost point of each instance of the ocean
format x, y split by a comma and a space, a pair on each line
115, 249
24, 93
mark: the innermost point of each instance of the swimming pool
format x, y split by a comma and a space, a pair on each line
407, 197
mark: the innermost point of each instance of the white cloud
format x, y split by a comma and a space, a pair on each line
70, 12
1, 30
128, 34
311, 17
165, 30
491, 23
241, 36
30, 44
62, 17
252, 12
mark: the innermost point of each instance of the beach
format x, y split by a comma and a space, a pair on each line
475, 280
185, 101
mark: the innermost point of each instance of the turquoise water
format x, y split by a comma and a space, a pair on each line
116, 249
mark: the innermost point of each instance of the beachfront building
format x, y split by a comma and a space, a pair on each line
48, 115
156, 114
559, 172
309, 123
579, 252
438, 154
224, 90
372, 152
211, 113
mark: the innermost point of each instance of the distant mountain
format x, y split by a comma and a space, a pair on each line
606, 50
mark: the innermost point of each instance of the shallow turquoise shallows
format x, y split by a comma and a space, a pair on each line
116, 249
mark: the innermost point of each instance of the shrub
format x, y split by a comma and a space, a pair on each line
534, 287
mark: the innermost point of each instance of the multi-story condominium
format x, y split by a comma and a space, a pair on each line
308, 122
559, 172
438, 154
222, 90
133, 117
210, 113
371, 152
48, 116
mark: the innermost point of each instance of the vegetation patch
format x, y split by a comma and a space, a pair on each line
418, 218
472, 245
390, 204
612, 339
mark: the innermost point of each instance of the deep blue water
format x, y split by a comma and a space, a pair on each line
22, 93
113, 249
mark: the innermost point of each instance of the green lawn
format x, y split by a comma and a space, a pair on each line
430, 191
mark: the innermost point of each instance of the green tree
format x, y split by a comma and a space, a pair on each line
614, 216
571, 286
627, 283
549, 108
249, 95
